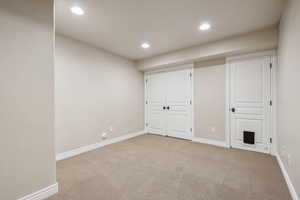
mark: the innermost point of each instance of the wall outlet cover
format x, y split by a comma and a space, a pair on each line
283, 151
289, 159
104, 135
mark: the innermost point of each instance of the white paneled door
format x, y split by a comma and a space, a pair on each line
250, 101
168, 103
156, 103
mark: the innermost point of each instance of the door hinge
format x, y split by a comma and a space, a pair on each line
146, 80
271, 140
271, 103
191, 74
191, 129
191, 102
271, 65
146, 124
146, 102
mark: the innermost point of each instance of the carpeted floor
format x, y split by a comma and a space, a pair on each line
153, 167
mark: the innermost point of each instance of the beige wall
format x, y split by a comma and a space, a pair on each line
209, 100
94, 90
288, 91
27, 157
248, 43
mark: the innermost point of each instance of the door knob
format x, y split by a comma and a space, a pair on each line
164, 107
168, 107
233, 110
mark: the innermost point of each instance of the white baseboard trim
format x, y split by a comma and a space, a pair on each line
210, 142
287, 178
155, 134
91, 147
42, 194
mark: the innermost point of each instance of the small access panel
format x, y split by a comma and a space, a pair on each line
249, 137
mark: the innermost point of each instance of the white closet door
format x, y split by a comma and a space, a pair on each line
156, 89
178, 102
250, 109
168, 97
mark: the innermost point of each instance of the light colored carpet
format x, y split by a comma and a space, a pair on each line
153, 167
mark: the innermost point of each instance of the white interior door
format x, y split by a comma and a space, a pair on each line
178, 101
156, 103
168, 108
250, 103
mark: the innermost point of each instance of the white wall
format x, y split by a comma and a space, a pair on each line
237, 45
94, 90
209, 100
288, 91
27, 157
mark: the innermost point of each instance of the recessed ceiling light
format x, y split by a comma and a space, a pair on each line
145, 45
77, 10
204, 27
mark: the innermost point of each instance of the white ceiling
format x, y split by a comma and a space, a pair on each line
120, 26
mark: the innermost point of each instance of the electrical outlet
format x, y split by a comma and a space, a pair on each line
213, 129
289, 159
283, 151
104, 135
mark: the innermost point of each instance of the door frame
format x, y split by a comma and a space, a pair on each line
189, 66
272, 122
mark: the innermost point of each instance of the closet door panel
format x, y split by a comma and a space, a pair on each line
178, 96
155, 103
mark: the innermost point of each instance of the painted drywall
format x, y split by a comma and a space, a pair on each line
288, 95
27, 155
248, 43
95, 92
209, 100
168, 25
